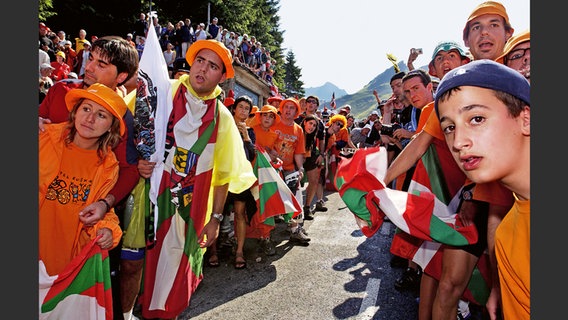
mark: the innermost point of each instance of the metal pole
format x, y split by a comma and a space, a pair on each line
208, 12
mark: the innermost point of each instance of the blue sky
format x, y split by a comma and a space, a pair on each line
346, 42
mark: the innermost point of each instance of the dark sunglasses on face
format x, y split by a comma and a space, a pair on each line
311, 101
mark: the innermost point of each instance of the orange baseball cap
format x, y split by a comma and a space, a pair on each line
513, 42
218, 47
102, 95
487, 7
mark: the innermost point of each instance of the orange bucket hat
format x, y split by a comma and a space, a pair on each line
267, 109
102, 95
487, 7
218, 47
296, 103
513, 42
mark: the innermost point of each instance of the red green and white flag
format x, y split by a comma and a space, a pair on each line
272, 195
182, 152
420, 214
426, 212
81, 291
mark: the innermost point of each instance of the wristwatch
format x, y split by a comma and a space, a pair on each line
218, 216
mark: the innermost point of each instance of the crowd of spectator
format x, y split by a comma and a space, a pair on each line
306, 143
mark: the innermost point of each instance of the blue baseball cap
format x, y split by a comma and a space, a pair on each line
488, 74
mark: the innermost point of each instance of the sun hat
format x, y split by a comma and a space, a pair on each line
487, 74
337, 117
487, 7
513, 42
42, 26
218, 47
275, 98
46, 66
61, 54
296, 103
268, 109
102, 95
446, 46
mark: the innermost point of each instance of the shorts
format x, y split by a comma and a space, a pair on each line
310, 163
480, 221
132, 253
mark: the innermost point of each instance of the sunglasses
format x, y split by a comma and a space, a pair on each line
311, 101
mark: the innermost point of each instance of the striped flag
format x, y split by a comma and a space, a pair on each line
420, 214
81, 291
272, 195
172, 268
426, 212
332, 104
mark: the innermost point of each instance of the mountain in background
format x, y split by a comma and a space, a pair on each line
362, 102
324, 92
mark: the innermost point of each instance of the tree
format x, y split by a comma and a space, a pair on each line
110, 17
293, 86
45, 9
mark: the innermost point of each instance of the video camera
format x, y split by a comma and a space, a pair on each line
389, 129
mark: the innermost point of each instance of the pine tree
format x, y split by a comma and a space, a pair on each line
293, 86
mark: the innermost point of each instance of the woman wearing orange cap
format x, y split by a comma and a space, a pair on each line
77, 167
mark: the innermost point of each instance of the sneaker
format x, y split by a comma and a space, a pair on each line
320, 206
299, 237
302, 230
463, 310
308, 213
267, 247
410, 279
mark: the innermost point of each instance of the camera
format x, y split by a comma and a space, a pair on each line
389, 129
396, 116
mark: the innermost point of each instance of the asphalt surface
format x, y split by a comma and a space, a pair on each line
341, 274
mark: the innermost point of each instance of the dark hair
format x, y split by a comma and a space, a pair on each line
507, 25
398, 75
424, 77
310, 137
245, 98
314, 97
119, 52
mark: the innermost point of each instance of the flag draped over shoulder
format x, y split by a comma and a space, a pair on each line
272, 195
81, 291
173, 267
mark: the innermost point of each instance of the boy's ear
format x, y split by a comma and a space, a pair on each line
526, 120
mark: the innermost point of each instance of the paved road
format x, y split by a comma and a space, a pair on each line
340, 275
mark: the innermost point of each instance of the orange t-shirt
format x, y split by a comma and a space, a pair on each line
67, 195
290, 142
265, 138
513, 252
